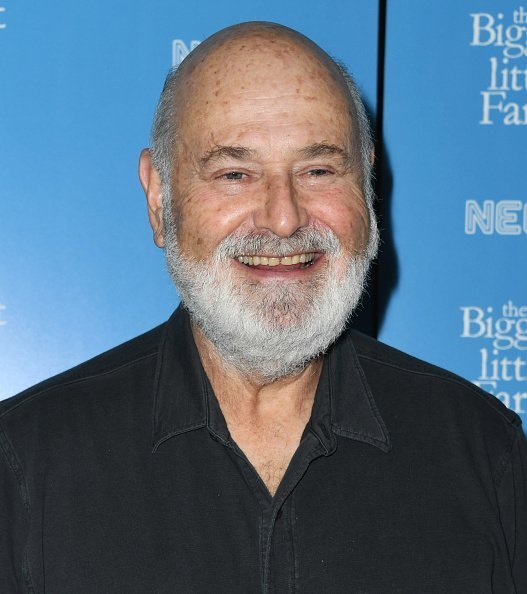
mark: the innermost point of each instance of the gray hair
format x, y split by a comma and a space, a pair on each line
164, 130
364, 133
163, 133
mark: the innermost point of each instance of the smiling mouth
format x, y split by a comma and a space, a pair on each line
304, 260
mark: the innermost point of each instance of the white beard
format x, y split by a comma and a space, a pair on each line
270, 329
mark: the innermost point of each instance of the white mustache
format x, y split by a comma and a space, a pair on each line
303, 240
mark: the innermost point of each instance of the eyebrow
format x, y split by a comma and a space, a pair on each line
241, 153
320, 149
219, 152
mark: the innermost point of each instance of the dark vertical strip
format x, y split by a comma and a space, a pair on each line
379, 154
381, 51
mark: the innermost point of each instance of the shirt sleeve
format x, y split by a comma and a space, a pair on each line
512, 498
13, 522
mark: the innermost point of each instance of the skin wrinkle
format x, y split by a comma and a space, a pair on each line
263, 37
221, 152
218, 153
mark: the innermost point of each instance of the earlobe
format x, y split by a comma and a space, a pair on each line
157, 226
152, 187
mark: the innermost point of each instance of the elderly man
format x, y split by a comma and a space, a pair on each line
250, 444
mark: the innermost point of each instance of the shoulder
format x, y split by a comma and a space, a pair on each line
106, 369
393, 374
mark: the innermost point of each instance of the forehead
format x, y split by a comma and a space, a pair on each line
258, 79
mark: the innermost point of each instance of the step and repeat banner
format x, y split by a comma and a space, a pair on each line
78, 270
454, 283
79, 83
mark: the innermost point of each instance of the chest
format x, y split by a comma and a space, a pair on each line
189, 519
269, 447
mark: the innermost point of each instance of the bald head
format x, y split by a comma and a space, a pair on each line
261, 45
245, 57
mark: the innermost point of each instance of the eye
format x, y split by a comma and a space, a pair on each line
319, 172
233, 175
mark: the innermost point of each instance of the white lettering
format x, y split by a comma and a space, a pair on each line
514, 402
506, 217
503, 217
519, 398
502, 362
474, 215
503, 100
505, 78
482, 23
520, 15
486, 31
473, 325
180, 50
487, 105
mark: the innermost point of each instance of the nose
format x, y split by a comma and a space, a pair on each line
280, 210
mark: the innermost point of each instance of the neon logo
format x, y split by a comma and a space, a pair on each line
180, 50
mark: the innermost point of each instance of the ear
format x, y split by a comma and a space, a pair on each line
372, 156
151, 183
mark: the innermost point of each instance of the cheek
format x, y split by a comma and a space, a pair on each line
347, 217
204, 221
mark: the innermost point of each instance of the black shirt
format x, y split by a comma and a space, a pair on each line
120, 476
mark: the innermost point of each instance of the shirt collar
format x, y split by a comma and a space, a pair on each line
354, 413
179, 388
184, 401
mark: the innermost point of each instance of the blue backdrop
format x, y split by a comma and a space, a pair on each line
453, 283
78, 270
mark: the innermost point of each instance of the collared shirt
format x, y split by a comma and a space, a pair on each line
121, 476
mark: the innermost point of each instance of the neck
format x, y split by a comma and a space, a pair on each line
265, 420
242, 396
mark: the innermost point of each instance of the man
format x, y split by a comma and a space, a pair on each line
250, 444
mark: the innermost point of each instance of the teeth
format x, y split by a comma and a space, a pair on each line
273, 261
